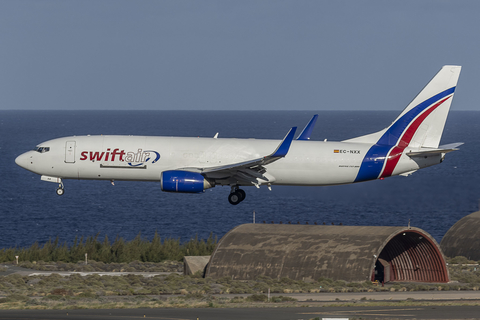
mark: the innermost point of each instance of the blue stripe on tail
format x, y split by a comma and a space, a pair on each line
373, 161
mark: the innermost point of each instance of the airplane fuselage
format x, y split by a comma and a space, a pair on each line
144, 158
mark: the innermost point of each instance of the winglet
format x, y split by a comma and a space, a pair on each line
307, 131
283, 148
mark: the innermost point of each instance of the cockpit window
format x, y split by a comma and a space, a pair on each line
42, 149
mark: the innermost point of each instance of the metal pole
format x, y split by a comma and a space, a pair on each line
254, 216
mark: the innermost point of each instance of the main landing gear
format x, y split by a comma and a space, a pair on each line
236, 196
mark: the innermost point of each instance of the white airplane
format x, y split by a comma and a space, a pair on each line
191, 165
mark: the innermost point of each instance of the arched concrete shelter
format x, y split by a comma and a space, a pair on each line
463, 238
351, 253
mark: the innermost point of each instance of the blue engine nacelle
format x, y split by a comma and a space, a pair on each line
184, 181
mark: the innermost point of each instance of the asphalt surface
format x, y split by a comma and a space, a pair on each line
444, 312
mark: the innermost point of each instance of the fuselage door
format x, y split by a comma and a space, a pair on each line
70, 152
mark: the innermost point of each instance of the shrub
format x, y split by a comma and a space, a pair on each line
287, 281
326, 281
14, 297
54, 297
89, 295
339, 283
237, 300
461, 260
282, 299
61, 292
261, 287
195, 295
257, 298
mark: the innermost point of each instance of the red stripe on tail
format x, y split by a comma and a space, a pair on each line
407, 136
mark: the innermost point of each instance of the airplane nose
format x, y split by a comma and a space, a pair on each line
23, 160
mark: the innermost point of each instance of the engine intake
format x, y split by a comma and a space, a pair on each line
184, 181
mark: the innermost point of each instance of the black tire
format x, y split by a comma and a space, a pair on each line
60, 191
234, 198
242, 194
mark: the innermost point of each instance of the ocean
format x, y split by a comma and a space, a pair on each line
30, 211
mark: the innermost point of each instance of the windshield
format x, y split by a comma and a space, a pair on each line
42, 149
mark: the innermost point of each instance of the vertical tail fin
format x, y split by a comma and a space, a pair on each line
421, 123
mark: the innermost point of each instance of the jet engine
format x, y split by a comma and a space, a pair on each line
184, 181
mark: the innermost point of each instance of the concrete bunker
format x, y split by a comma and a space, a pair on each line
194, 264
350, 253
463, 238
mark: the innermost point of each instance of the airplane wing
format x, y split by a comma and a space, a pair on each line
307, 131
248, 171
441, 149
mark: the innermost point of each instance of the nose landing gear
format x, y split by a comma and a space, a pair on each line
236, 196
60, 190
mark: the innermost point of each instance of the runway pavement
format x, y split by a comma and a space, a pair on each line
441, 312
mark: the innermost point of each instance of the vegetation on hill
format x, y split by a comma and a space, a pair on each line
120, 251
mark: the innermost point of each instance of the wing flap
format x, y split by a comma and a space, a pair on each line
251, 166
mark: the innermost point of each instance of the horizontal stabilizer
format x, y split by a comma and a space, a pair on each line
441, 149
406, 174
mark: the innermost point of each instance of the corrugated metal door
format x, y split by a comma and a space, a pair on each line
386, 269
70, 152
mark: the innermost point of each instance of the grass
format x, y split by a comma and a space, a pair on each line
130, 291
465, 277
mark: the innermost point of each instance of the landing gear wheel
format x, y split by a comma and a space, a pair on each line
235, 198
60, 191
242, 194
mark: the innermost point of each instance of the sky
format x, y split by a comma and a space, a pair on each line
233, 55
